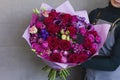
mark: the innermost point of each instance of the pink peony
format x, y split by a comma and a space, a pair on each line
94, 48
98, 39
90, 37
83, 31
64, 59
45, 44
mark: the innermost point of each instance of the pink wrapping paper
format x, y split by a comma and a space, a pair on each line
66, 7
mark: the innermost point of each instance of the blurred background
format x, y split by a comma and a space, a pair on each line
17, 61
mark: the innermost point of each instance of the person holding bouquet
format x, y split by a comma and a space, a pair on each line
106, 65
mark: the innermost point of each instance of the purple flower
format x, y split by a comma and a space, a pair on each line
34, 35
45, 44
40, 40
74, 19
80, 47
38, 24
90, 27
46, 56
44, 34
82, 19
37, 47
34, 19
33, 39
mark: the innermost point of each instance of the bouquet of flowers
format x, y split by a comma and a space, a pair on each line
63, 38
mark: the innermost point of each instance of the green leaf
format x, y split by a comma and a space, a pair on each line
67, 72
36, 11
46, 68
52, 74
62, 75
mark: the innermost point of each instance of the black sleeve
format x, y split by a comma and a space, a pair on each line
106, 63
93, 14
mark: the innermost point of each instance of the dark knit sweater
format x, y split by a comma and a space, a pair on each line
111, 62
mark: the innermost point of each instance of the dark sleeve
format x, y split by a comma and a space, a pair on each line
93, 14
106, 63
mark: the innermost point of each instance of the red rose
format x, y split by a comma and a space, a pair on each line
83, 56
66, 17
87, 44
64, 45
56, 57
78, 58
72, 30
53, 42
73, 58
52, 29
48, 20
53, 13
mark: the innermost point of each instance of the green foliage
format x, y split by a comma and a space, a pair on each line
53, 73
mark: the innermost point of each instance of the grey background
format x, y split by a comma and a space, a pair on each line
17, 61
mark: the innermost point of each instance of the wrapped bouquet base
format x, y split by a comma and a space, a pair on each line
63, 38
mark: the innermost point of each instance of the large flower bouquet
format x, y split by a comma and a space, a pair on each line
62, 38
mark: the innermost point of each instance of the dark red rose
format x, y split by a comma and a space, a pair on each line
66, 17
78, 57
73, 58
72, 30
64, 45
53, 13
53, 43
48, 20
93, 50
83, 56
87, 44
56, 57
53, 29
